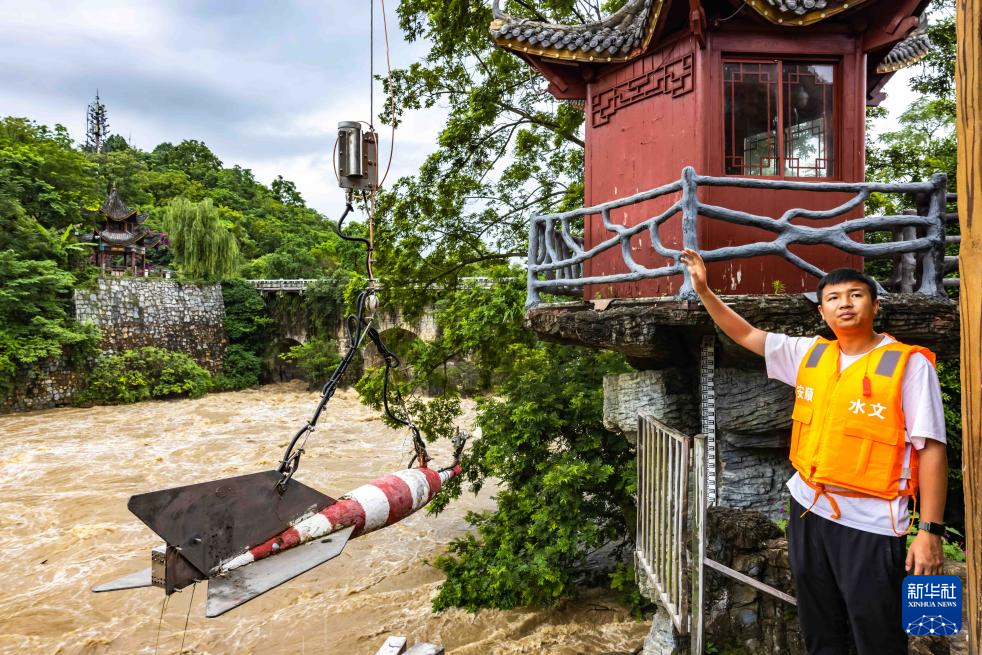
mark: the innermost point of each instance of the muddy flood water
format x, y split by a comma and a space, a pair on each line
65, 477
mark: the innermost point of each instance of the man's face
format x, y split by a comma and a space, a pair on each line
848, 307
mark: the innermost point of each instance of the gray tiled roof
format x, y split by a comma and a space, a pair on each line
615, 35
114, 207
799, 7
119, 238
622, 34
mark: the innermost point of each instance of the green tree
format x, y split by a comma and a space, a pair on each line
125, 169
34, 322
248, 327
247, 322
509, 150
924, 141
50, 180
203, 247
567, 483
286, 192
191, 157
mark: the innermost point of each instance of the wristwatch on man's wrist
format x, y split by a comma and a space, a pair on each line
933, 528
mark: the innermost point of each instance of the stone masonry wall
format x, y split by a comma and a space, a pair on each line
135, 312
56, 384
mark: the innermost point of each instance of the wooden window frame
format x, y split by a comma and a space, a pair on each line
836, 127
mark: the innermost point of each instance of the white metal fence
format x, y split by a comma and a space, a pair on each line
671, 537
663, 484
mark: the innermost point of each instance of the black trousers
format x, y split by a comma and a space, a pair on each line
846, 581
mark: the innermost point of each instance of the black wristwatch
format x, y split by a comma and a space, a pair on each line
933, 528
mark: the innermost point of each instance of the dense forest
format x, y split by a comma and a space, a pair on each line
219, 224
508, 151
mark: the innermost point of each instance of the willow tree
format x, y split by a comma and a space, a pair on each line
203, 247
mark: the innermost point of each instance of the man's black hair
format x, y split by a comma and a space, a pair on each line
841, 275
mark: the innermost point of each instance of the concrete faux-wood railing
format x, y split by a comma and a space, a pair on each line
557, 255
298, 285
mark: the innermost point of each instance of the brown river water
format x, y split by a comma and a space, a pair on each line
65, 477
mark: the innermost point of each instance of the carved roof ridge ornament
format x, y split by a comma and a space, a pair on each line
115, 209
909, 51
621, 36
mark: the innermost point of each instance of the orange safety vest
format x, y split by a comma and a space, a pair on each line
848, 428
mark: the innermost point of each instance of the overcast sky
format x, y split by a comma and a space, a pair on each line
263, 83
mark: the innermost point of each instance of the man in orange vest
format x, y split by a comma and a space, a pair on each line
867, 436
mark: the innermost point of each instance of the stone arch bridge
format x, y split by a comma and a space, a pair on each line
292, 328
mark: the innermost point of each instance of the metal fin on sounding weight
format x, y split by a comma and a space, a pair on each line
230, 590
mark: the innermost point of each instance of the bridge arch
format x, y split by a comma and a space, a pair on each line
278, 369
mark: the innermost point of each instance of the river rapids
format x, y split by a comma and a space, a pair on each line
65, 477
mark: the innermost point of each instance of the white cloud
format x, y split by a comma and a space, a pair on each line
264, 85
899, 98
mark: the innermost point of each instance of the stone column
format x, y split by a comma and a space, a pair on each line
667, 394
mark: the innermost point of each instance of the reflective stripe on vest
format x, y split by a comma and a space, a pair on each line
848, 435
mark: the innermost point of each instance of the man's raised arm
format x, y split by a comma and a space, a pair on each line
731, 323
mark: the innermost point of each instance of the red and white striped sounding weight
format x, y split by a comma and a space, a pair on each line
211, 529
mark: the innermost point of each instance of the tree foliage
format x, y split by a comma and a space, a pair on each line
567, 483
248, 327
509, 150
44, 184
241, 368
35, 325
203, 247
924, 143
247, 322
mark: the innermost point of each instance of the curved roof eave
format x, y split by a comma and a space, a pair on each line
622, 36
627, 33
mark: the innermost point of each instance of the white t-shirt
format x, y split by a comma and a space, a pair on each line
923, 415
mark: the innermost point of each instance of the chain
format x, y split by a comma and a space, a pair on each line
358, 326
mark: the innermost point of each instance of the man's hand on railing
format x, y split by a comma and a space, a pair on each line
697, 270
731, 323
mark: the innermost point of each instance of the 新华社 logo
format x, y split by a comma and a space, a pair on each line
932, 604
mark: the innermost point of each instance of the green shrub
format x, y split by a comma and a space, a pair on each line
566, 484
146, 373
240, 369
317, 359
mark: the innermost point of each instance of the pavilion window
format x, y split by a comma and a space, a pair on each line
779, 118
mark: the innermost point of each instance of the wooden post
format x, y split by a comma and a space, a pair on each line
968, 80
